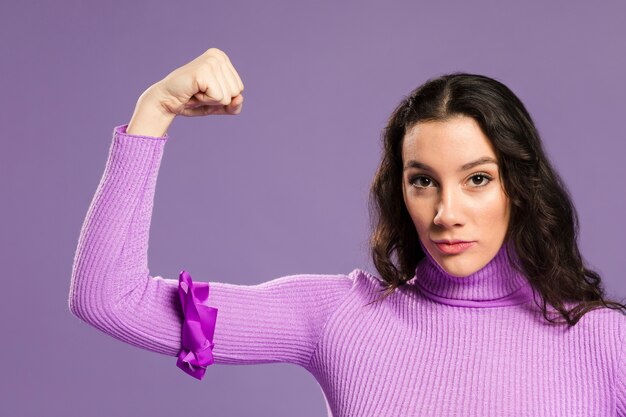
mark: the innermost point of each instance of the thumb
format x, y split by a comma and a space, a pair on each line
235, 105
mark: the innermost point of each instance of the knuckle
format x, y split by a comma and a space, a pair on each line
217, 95
212, 60
212, 66
214, 51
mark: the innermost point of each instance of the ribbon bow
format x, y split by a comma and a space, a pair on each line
198, 326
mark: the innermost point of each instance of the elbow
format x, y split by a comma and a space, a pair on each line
73, 305
84, 299
76, 304
87, 309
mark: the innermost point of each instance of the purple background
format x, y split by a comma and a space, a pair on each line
281, 188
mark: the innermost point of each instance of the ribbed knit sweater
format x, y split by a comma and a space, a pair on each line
438, 346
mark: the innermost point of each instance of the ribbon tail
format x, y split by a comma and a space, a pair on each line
198, 326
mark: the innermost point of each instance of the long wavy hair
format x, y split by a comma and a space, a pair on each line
543, 227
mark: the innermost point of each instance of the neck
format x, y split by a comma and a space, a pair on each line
496, 284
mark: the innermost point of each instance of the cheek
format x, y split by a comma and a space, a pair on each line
418, 210
493, 209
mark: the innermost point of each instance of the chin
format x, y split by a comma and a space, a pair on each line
457, 267
458, 273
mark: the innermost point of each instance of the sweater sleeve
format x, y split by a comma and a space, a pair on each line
111, 287
620, 380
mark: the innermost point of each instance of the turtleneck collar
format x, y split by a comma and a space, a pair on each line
496, 284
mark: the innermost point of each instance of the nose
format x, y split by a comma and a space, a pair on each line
448, 210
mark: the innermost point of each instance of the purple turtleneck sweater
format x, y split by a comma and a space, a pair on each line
438, 346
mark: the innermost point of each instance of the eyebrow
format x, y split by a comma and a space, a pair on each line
480, 161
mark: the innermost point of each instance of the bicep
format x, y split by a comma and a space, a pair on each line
276, 321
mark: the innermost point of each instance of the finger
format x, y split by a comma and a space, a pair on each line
203, 111
234, 72
213, 93
231, 80
235, 106
223, 85
236, 110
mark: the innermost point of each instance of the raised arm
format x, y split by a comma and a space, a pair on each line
111, 286
110, 264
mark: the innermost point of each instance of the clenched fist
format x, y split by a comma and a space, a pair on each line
207, 85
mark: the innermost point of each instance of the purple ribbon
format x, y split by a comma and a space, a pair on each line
198, 326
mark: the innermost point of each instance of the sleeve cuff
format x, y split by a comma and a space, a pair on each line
198, 326
121, 131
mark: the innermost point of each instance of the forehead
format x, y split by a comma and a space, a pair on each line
452, 141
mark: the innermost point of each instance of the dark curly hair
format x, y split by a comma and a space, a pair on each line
543, 226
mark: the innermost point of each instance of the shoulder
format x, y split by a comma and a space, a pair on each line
363, 277
613, 323
619, 318
605, 324
606, 318
366, 286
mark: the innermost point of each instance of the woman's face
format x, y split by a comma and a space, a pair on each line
452, 192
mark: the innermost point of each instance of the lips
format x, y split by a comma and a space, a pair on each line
454, 247
453, 241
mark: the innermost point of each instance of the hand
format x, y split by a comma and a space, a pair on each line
207, 85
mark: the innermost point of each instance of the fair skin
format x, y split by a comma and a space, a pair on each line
446, 201
207, 85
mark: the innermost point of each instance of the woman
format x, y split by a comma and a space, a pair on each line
463, 329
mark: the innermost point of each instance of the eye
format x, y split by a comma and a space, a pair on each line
479, 179
420, 181
481, 176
